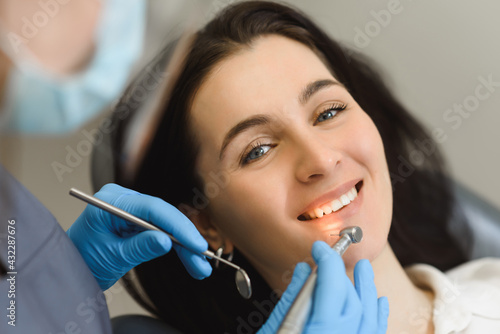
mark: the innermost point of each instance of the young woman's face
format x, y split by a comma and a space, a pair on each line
295, 147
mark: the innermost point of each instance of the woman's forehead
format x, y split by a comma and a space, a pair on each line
268, 76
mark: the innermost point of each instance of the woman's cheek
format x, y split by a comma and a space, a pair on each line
240, 211
367, 143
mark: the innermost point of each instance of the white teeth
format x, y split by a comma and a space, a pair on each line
326, 209
350, 195
318, 212
334, 206
345, 200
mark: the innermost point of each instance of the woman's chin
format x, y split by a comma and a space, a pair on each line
360, 251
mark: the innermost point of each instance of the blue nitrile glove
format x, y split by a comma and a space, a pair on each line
112, 246
338, 307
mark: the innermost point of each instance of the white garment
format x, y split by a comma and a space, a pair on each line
467, 298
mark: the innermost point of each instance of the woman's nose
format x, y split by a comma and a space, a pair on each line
316, 158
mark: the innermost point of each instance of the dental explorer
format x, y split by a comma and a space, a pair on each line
241, 277
298, 313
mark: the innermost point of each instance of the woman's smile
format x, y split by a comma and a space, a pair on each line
332, 222
341, 199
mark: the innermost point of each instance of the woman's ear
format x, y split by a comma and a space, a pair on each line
209, 231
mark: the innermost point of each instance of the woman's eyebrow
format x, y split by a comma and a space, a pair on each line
250, 122
259, 120
313, 87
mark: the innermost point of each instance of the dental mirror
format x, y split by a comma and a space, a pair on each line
241, 278
243, 283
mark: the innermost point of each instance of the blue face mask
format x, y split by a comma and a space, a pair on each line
37, 102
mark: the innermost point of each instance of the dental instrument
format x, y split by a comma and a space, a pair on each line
298, 313
242, 279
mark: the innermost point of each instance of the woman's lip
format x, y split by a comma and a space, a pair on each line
330, 196
343, 214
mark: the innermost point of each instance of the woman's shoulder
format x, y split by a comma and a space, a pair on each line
466, 298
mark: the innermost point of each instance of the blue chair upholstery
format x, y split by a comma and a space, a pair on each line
476, 216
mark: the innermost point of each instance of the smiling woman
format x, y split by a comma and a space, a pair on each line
309, 141
308, 153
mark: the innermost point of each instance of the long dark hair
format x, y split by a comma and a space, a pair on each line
422, 197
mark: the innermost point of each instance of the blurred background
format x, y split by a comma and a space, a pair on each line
441, 58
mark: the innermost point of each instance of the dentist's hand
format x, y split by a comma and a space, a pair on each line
338, 306
112, 246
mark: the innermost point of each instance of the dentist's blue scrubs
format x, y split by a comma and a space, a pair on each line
54, 290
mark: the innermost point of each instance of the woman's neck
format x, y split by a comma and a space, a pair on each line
410, 307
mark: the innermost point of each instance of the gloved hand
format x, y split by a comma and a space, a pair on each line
112, 246
338, 306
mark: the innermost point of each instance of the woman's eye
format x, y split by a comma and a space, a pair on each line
326, 115
257, 152
330, 113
